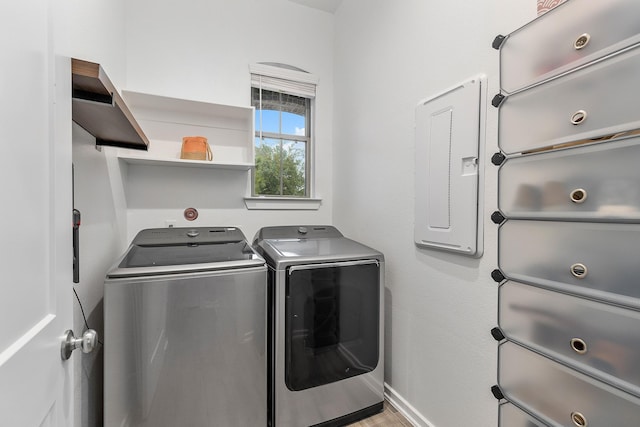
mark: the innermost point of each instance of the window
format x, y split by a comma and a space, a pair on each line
282, 142
282, 98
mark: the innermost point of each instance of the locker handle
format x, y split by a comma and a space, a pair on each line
579, 270
579, 195
578, 419
582, 41
578, 117
579, 345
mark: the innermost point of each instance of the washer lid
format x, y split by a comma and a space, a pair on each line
176, 250
284, 246
297, 232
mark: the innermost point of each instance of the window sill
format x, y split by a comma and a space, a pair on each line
282, 203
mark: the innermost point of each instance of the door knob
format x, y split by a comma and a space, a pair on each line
87, 342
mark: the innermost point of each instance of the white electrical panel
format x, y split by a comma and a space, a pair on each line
449, 132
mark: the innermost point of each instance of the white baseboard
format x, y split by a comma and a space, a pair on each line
409, 412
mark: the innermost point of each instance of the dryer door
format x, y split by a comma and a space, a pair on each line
332, 320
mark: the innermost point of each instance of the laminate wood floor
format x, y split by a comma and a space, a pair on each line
389, 417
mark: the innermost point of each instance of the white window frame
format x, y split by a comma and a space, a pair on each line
291, 80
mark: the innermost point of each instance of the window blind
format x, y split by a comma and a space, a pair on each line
285, 80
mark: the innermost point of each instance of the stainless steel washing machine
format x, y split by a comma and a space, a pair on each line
185, 331
325, 326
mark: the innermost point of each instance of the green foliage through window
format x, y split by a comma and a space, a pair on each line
279, 170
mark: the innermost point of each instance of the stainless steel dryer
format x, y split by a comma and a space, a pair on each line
185, 331
326, 326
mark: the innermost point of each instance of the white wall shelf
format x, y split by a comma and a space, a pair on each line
132, 159
228, 129
282, 203
139, 158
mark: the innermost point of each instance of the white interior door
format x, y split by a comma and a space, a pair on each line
35, 209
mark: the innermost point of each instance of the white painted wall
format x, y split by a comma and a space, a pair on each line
100, 199
202, 50
440, 307
93, 31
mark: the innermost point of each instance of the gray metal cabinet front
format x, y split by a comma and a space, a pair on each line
186, 349
577, 32
569, 199
598, 182
560, 394
562, 111
598, 339
596, 260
